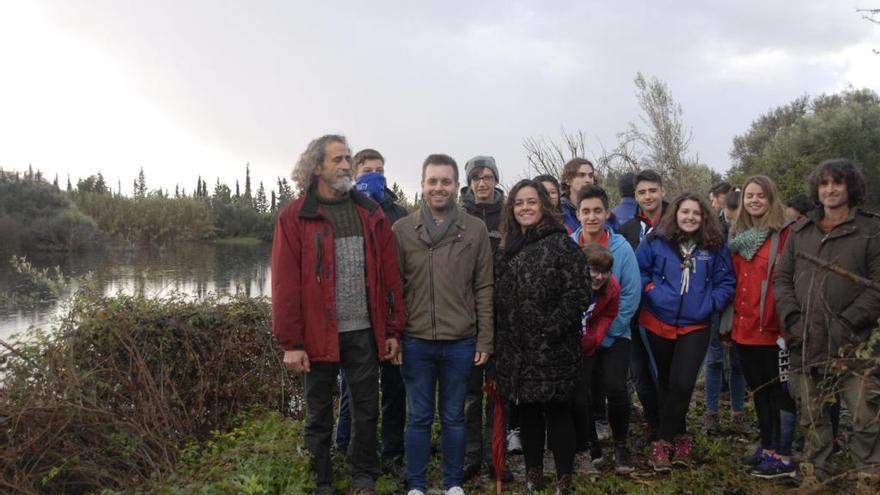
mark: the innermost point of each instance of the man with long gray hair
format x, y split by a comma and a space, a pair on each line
336, 303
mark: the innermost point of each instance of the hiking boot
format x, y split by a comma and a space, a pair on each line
684, 444
659, 457
514, 444
622, 460
710, 423
563, 484
534, 480
774, 467
755, 458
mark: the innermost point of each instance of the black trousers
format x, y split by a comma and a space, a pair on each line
760, 364
678, 364
582, 414
643, 378
359, 361
534, 419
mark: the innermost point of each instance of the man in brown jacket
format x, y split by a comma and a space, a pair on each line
446, 266
829, 319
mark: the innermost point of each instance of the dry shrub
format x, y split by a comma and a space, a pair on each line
107, 399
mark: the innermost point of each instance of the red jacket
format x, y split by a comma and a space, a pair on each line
603, 313
304, 271
749, 327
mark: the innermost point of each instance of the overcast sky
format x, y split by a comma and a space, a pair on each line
185, 88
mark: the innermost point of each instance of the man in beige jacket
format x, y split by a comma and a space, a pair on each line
446, 267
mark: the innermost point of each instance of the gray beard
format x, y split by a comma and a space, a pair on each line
343, 184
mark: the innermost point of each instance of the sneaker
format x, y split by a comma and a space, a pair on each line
603, 432
455, 490
710, 423
596, 454
774, 467
514, 444
659, 457
622, 461
415, 491
684, 444
756, 457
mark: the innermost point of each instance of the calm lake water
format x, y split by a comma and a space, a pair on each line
195, 269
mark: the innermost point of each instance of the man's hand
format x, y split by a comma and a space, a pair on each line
392, 347
480, 358
297, 360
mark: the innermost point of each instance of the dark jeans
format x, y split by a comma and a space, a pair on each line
428, 364
643, 378
723, 364
479, 432
614, 363
393, 413
678, 364
584, 424
359, 363
534, 420
761, 369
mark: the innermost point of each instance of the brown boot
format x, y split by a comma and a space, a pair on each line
534, 480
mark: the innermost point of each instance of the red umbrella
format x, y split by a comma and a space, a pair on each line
498, 433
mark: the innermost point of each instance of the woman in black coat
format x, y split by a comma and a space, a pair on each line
542, 288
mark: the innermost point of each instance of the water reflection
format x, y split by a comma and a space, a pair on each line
195, 269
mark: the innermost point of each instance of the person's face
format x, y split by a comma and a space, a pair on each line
552, 192
592, 214
371, 165
439, 186
527, 207
649, 196
718, 200
689, 216
483, 185
755, 200
598, 279
833, 193
583, 177
335, 170
792, 214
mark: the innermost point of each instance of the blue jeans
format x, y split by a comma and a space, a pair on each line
721, 358
427, 363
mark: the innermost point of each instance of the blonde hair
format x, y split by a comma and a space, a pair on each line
772, 219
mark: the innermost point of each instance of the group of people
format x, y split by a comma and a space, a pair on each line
559, 303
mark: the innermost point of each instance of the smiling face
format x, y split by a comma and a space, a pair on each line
439, 186
755, 200
592, 214
527, 208
598, 278
833, 193
483, 185
649, 196
689, 216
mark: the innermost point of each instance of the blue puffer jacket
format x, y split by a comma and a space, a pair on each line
626, 269
711, 285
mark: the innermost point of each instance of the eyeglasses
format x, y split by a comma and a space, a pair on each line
483, 178
598, 274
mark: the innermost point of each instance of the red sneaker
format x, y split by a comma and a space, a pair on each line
659, 458
684, 444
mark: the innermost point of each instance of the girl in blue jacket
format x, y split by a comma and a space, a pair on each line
686, 275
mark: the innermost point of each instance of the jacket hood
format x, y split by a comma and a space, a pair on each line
470, 204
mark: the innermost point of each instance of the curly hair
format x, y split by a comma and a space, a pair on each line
304, 171
549, 214
841, 170
707, 237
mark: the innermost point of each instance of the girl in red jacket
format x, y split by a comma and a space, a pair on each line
756, 240
603, 309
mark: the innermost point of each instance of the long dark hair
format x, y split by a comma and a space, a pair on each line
510, 229
708, 237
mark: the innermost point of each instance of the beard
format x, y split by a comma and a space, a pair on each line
343, 183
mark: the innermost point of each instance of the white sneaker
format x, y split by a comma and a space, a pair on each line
415, 492
514, 444
455, 490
